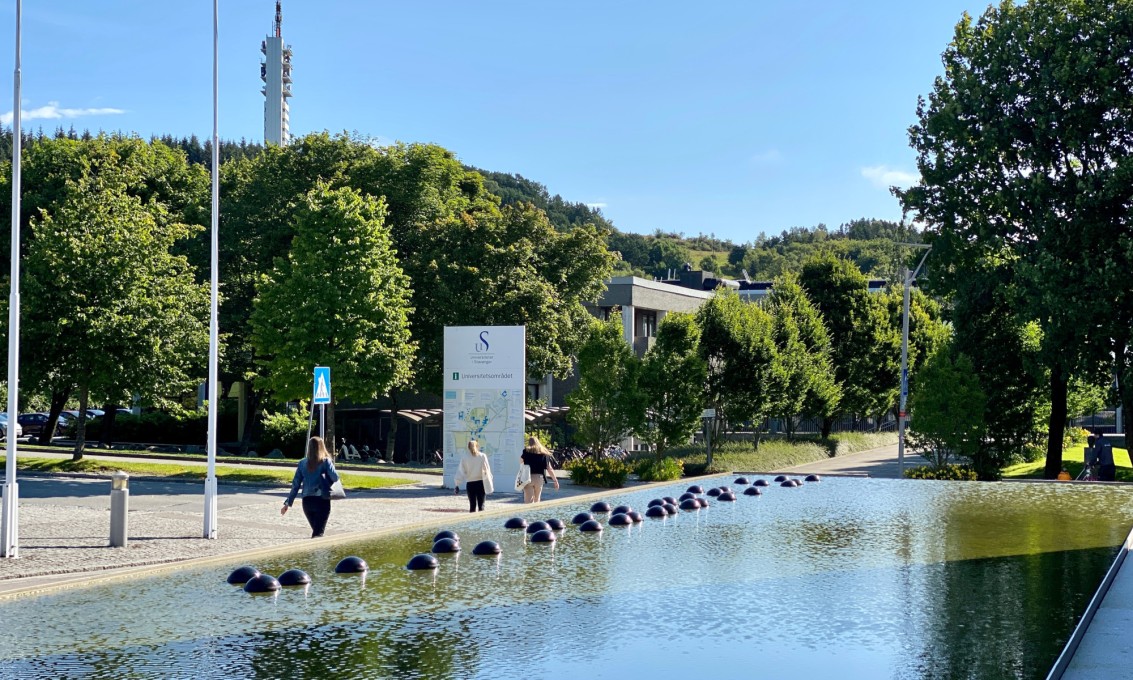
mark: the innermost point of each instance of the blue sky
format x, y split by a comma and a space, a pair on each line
732, 118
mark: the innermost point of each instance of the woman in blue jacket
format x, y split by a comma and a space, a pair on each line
314, 474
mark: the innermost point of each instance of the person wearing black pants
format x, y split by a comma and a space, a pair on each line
314, 474
476, 496
476, 474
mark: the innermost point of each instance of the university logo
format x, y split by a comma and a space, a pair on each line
482, 345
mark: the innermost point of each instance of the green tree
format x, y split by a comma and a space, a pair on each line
339, 299
947, 409
1024, 156
130, 207
803, 348
738, 348
606, 406
672, 374
469, 261
1004, 350
865, 345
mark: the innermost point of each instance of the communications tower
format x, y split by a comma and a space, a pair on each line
275, 71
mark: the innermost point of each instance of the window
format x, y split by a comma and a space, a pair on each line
645, 323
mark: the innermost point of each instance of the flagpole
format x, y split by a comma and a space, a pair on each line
9, 531
213, 391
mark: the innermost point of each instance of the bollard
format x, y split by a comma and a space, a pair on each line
119, 507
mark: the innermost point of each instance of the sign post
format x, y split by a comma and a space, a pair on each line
484, 393
322, 398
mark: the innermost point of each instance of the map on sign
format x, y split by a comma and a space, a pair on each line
493, 417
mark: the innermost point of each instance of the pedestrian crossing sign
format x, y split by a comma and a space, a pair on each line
322, 385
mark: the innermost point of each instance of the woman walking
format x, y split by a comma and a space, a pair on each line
476, 475
538, 458
314, 474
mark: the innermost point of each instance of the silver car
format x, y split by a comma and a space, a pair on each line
4, 427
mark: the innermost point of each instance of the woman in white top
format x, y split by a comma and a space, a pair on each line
476, 475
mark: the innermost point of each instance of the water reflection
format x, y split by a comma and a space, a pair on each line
850, 578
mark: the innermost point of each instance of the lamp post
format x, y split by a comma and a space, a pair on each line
9, 531
213, 396
901, 417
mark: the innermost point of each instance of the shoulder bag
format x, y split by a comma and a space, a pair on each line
523, 477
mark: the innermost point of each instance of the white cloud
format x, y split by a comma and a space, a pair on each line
883, 177
597, 206
53, 112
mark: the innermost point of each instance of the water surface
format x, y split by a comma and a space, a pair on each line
847, 578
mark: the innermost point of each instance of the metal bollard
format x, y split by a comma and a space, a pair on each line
119, 508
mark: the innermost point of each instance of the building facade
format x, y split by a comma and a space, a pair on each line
275, 71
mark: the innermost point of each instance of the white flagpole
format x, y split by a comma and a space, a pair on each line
213, 391
9, 532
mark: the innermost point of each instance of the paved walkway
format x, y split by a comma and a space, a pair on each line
880, 462
1104, 652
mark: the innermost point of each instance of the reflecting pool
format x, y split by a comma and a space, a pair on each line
845, 578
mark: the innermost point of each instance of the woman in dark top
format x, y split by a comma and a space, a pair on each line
538, 458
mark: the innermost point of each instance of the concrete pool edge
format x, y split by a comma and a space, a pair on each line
32, 586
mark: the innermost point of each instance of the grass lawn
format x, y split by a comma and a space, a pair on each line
202, 457
776, 453
224, 474
1072, 460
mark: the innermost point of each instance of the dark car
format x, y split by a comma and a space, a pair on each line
32, 423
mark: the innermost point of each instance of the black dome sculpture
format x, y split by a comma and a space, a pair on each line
264, 583
515, 523
422, 562
294, 577
582, 518
591, 526
487, 548
242, 575
538, 525
544, 536
446, 545
351, 565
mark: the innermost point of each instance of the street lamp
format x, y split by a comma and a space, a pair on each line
10, 522
901, 417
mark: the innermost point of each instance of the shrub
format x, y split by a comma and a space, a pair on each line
1075, 436
609, 473
961, 473
663, 470
286, 432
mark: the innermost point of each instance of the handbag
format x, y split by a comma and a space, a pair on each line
523, 477
489, 485
337, 493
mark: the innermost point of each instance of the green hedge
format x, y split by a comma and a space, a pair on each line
177, 426
663, 470
608, 473
961, 473
286, 432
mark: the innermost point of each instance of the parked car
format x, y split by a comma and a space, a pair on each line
4, 426
32, 423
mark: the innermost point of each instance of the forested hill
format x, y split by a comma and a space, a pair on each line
870, 243
867, 242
